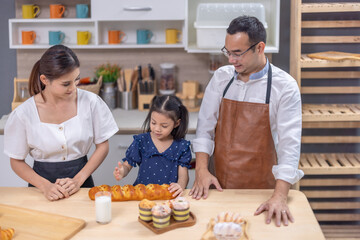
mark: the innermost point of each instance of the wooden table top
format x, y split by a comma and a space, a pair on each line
125, 223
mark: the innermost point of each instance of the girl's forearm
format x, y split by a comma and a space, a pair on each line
183, 178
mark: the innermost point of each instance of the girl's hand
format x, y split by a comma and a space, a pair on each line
119, 172
68, 184
53, 192
176, 189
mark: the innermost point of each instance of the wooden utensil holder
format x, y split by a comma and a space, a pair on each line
144, 100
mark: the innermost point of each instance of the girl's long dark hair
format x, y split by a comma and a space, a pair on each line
54, 63
173, 108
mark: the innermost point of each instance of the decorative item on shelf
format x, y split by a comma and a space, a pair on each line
216, 61
30, 11
57, 10
190, 96
110, 73
127, 86
90, 84
82, 10
146, 86
167, 79
21, 92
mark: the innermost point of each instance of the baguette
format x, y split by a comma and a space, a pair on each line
130, 192
6, 234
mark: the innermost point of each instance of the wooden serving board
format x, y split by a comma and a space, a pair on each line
173, 224
35, 225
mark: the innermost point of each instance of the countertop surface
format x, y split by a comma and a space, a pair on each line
128, 121
125, 223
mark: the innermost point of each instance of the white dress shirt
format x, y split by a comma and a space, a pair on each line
285, 114
46, 142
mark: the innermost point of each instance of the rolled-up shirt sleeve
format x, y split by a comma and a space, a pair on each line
208, 115
288, 124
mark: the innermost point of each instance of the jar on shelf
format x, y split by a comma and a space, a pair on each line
215, 61
167, 79
24, 93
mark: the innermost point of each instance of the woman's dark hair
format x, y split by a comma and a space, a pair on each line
172, 107
54, 63
250, 25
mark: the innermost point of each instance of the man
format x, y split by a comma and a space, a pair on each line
250, 118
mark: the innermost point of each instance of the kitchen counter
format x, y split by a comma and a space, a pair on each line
128, 121
125, 225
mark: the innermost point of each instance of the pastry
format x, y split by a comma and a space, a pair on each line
145, 207
6, 234
229, 217
161, 216
181, 209
138, 192
227, 231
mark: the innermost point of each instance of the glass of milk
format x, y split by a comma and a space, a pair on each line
103, 207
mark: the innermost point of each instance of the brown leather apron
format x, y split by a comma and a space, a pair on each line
244, 149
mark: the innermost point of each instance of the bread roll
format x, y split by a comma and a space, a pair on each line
138, 192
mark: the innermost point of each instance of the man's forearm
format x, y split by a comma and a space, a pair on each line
281, 189
202, 161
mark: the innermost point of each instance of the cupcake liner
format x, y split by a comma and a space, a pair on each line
145, 214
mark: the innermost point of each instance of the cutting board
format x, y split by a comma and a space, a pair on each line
30, 224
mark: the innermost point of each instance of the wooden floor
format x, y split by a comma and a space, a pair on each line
341, 232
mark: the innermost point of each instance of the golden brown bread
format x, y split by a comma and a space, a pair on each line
6, 234
138, 192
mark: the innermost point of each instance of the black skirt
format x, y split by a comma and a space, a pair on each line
54, 170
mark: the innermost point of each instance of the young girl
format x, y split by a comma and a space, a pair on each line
161, 153
57, 127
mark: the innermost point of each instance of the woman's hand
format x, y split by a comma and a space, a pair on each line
176, 189
119, 172
53, 191
69, 184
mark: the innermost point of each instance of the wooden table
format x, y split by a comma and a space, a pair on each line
125, 225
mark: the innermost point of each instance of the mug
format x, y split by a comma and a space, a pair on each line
82, 10
57, 10
56, 37
83, 37
143, 36
28, 37
30, 11
172, 36
115, 36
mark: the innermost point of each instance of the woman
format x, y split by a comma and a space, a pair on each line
57, 127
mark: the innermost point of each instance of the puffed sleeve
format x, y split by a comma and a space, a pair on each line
133, 154
15, 140
103, 122
185, 156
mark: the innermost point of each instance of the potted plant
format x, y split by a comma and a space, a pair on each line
110, 74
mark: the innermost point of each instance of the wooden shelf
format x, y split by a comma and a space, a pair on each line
330, 39
331, 24
330, 163
307, 62
330, 112
329, 7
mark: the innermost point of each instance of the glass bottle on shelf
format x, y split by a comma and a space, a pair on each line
215, 61
167, 79
24, 93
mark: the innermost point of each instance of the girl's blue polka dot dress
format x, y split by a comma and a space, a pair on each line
157, 167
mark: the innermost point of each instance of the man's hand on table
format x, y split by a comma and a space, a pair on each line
203, 180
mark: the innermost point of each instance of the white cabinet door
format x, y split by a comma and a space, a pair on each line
138, 9
117, 148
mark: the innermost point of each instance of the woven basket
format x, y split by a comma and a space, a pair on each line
95, 88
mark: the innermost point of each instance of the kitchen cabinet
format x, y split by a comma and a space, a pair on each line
124, 15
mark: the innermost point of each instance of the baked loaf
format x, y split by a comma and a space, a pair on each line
130, 192
6, 234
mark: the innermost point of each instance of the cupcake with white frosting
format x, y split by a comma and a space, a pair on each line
181, 209
161, 216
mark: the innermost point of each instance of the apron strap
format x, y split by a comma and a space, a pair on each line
268, 88
227, 86
269, 80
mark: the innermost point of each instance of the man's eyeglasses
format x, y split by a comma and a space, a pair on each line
234, 55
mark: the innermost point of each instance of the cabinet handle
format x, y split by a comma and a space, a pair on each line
123, 146
137, 9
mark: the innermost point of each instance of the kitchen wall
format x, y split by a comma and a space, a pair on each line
7, 57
